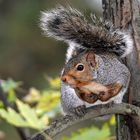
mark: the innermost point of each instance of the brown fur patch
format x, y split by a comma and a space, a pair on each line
91, 96
113, 90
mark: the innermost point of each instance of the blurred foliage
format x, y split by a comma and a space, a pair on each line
38, 108
10, 86
47, 101
26, 117
46, 105
94, 133
90, 133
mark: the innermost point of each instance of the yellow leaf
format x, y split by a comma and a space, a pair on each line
33, 96
112, 120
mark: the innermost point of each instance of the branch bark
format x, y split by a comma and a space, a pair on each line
93, 112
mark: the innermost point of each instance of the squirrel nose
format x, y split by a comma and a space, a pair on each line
64, 78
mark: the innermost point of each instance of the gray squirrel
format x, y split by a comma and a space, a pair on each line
93, 73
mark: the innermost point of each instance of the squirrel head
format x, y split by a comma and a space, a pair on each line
80, 69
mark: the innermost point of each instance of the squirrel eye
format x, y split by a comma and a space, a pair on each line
80, 67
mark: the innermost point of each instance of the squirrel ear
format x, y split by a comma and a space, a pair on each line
90, 58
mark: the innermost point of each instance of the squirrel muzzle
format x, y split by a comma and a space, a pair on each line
69, 80
73, 81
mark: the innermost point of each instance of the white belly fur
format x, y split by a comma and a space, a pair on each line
95, 87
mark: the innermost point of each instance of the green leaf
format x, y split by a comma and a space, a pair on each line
112, 120
55, 83
49, 101
33, 96
29, 115
91, 133
1, 104
10, 84
13, 117
12, 95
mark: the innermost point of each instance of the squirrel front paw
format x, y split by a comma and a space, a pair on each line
113, 90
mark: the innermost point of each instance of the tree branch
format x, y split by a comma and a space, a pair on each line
93, 112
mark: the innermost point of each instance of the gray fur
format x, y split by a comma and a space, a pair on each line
110, 70
69, 99
70, 25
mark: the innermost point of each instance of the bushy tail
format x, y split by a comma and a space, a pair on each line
70, 25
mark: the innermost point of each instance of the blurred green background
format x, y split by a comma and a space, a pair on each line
28, 56
25, 54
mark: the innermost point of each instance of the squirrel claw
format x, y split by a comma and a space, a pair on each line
110, 104
80, 110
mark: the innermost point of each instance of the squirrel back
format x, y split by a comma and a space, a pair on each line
70, 25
